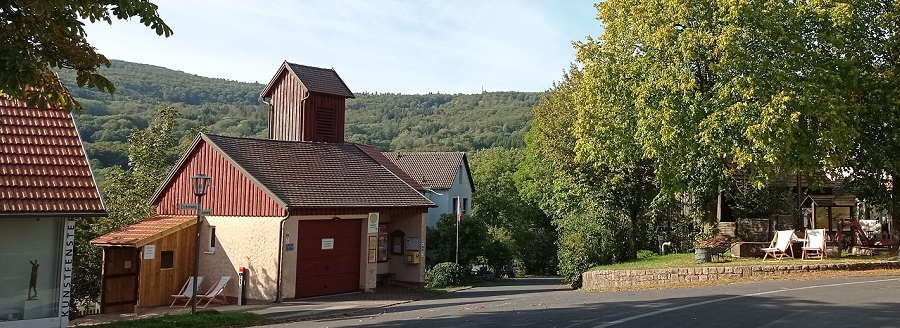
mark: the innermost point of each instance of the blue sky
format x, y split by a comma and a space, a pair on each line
376, 46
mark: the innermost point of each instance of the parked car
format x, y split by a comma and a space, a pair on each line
481, 271
506, 272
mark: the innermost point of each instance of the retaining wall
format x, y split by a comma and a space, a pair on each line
602, 279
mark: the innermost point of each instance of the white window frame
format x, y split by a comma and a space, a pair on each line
211, 242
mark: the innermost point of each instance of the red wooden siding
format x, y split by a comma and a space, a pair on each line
230, 193
295, 120
285, 121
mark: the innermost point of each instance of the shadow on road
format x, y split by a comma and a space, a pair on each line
826, 307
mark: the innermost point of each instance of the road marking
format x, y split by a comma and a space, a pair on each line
623, 320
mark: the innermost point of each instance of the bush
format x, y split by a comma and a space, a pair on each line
645, 254
445, 274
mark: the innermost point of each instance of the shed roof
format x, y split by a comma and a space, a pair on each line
315, 79
830, 200
146, 231
433, 170
43, 168
301, 174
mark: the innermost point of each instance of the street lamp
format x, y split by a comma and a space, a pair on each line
200, 182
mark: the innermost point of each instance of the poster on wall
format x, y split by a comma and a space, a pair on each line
149, 252
373, 222
412, 243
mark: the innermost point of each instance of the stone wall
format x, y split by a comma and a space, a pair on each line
603, 279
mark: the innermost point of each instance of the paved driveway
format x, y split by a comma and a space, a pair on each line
863, 301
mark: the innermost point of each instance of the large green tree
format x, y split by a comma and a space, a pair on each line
41, 35
695, 86
517, 222
603, 213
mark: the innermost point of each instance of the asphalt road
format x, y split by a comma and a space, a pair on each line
863, 301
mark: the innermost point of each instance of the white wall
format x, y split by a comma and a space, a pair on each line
461, 188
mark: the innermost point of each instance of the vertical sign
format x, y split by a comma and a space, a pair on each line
68, 255
373, 222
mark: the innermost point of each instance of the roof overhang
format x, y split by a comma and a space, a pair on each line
186, 221
830, 201
55, 214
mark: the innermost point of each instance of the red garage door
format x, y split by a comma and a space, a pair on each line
328, 257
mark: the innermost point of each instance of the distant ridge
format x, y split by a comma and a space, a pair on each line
388, 121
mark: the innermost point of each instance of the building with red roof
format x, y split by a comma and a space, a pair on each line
45, 184
304, 213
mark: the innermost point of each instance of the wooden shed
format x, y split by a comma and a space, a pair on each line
146, 262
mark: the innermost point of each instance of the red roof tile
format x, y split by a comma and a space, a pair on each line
433, 170
145, 231
43, 167
319, 175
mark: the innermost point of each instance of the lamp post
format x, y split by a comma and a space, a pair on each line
200, 182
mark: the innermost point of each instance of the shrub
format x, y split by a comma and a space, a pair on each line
645, 254
445, 274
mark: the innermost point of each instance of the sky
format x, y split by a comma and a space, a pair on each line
409, 47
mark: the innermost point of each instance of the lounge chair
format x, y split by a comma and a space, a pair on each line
215, 292
780, 245
187, 292
814, 247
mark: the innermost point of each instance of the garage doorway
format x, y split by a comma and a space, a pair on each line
328, 257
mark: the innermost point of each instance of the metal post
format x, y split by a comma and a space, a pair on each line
458, 213
196, 257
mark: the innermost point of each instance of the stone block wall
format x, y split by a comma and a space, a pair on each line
604, 279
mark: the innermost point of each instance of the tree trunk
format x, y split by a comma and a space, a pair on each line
632, 251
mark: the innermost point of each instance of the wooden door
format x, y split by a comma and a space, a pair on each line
328, 257
121, 267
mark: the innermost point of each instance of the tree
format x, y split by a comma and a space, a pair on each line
518, 224
126, 194
603, 213
696, 86
41, 35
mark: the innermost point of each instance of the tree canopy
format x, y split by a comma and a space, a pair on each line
772, 86
42, 35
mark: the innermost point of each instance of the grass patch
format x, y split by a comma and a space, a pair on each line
686, 260
203, 319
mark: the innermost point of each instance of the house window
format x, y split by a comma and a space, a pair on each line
465, 205
167, 259
212, 240
453, 206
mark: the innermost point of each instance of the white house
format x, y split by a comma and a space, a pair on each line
45, 183
445, 177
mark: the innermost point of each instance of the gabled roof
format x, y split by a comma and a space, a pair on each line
299, 174
146, 231
433, 170
315, 79
43, 168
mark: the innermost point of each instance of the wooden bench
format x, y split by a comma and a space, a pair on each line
383, 279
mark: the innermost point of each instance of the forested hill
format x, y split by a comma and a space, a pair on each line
391, 122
